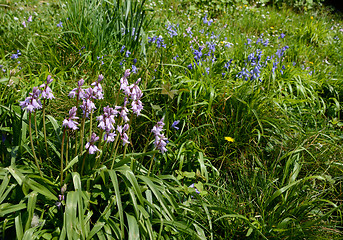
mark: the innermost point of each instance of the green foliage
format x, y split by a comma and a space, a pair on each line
252, 156
103, 27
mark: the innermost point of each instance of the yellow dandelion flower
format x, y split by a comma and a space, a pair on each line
311, 18
229, 139
271, 27
311, 63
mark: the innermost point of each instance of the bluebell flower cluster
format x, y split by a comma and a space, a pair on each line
32, 102
16, 55
161, 141
172, 31
254, 63
69, 121
90, 145
205, 21
158, 40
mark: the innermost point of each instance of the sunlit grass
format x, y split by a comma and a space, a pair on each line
250, 100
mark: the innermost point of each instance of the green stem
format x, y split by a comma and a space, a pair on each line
90, 126
67, 150
77, 103
116, 145
33, 149
62, 151
100, 147
36, 130
152, 159
44, 129
83, 163
82, 132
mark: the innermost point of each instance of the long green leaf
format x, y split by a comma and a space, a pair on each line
133, 227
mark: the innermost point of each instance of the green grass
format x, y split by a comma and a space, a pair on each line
280, 101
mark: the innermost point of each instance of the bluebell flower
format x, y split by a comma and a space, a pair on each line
134, 69
60, 24
127, 54
175, 123
172, 31
196, 190
122, 48
266, 43
282, 35
227, 65
16, 55
32, 102
90, 145
175, 58
69, 121
160, 42
248, 41
160, 140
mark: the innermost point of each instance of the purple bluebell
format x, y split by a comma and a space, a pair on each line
124, 84
248, 41
172, 30
189, 31
78, 92
32, 102
16, 55
265, 43
175, 123
97, 90
282, 35
122, 132
228, 45
87, 107
227, 64
127, 53
175, 58
134, 69
160, 140
122, 48
109, 136
29, 18
106, 120
196, 190
24, 24
47, 92
135, 92
275, 63
90, 145
137, 107
160, 42
60, 24
69, 121
205, 21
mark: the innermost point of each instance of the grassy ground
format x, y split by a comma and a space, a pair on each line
256, 90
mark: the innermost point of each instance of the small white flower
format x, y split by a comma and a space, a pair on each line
35, 220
